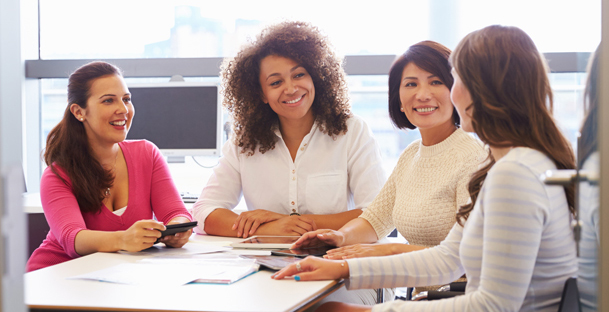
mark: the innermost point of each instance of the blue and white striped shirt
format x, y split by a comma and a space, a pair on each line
516, 248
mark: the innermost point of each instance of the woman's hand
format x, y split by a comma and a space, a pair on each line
318, 238
141, 235
314, 269
178, 239
359, 251
248, 222
290, 226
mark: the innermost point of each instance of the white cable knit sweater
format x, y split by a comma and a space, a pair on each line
426, 189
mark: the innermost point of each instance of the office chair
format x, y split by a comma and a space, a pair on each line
569, 302
447, 291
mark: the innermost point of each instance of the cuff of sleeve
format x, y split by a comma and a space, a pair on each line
355, 272
70, 243
377, 225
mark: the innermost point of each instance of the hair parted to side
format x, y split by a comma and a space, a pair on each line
431, 57
254, 121
68, 147
588, 142
512, 103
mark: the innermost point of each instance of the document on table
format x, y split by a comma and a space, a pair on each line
174, 271
188, 249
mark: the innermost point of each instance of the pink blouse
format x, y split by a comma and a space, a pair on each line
151, 191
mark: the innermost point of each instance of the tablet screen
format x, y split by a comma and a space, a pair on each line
316, 251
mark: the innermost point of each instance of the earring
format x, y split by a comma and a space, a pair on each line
82, 119
402, 109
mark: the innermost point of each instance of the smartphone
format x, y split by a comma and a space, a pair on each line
176, 228
301, 253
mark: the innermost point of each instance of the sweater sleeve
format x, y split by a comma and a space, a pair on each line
513, 207
432, 266
380, 212
61, 209
223, 189
164, 196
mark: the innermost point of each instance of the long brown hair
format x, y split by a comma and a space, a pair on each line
588, 142
68, 147
507, 79
253, 120
431, 57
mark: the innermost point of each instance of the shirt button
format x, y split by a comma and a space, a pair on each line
302, 148
293, 203
293, 178
293, 171
305, 144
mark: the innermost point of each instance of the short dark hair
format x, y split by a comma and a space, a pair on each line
428, 55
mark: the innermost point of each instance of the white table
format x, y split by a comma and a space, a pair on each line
48, 288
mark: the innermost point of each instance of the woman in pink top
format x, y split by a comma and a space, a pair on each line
99, 192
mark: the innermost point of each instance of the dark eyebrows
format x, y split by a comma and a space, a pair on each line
416, 78
106, 95
277, 74
127, 94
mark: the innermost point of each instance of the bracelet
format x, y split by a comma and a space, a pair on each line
294, 214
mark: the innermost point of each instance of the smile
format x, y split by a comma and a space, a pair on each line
119, 123
295, 100
425, 109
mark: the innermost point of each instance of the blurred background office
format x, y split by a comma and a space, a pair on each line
153, 40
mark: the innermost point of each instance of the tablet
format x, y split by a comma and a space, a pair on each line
302, 253
267, 242
176, 228
272, 262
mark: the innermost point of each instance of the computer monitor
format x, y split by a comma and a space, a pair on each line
180, 118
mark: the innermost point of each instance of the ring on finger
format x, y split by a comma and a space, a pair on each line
298, 267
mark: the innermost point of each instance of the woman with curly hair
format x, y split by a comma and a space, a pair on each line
513, 240
298, 155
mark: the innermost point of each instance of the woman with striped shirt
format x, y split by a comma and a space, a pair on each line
514, 244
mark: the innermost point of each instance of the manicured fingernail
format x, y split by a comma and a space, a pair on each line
296, 277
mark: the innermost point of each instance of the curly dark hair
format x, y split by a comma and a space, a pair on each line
254, 121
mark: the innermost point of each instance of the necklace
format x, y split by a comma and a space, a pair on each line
107, 191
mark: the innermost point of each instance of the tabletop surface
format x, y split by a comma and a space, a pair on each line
49, 288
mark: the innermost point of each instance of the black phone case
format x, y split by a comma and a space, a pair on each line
176, 228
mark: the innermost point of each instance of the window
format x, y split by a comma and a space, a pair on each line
169, 29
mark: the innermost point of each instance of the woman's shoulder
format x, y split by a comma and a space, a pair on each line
524, 161
50, 175
139, 148
468, 142
138, 144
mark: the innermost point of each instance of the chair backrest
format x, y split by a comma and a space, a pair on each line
569, 302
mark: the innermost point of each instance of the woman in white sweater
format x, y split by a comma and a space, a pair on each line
514, 243
429, 182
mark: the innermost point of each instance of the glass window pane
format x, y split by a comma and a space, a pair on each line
74, 29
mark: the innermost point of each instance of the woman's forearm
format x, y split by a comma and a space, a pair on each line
88, 241
398, 248
334, 221
358, 231
220, 222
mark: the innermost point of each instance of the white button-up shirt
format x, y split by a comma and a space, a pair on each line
327, 176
